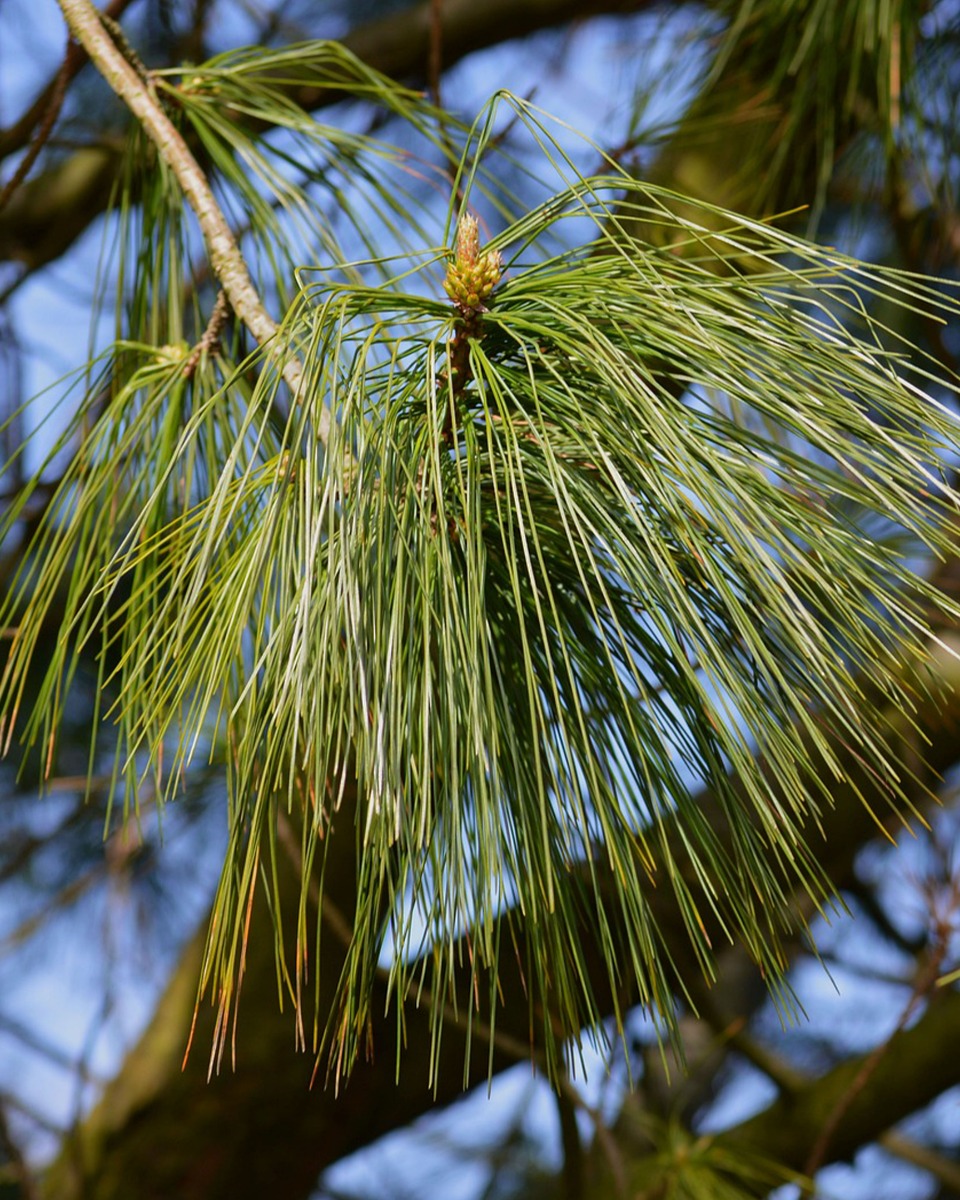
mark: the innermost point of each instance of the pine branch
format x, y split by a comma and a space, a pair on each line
397, 45
226, 259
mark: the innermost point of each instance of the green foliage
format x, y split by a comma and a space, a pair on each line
644, 521
796, 89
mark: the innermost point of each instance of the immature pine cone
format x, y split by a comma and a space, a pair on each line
472, 275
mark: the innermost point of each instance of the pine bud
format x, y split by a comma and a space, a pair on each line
473, 274
468, 241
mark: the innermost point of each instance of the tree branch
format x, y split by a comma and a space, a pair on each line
916, 1067
397, 45
17, 135
226, 259
42, 134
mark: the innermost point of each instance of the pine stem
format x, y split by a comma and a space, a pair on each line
226, 259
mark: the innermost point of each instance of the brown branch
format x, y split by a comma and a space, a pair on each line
223, 251
211, 335
44, 129
946, 1170
924, 985
868, 1069
17, 135
573, 1171
915, 1068
398, 46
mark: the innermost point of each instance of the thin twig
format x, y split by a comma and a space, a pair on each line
19, 133
35, 1042
226, 259
946, 1170
435, 61
64, 899
211, 335
925, 982
573, 1167
604, 1138
14, 1155
786, 1078
44, 129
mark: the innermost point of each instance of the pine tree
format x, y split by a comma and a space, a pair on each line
548, 546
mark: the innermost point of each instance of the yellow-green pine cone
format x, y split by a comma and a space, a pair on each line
473, 274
